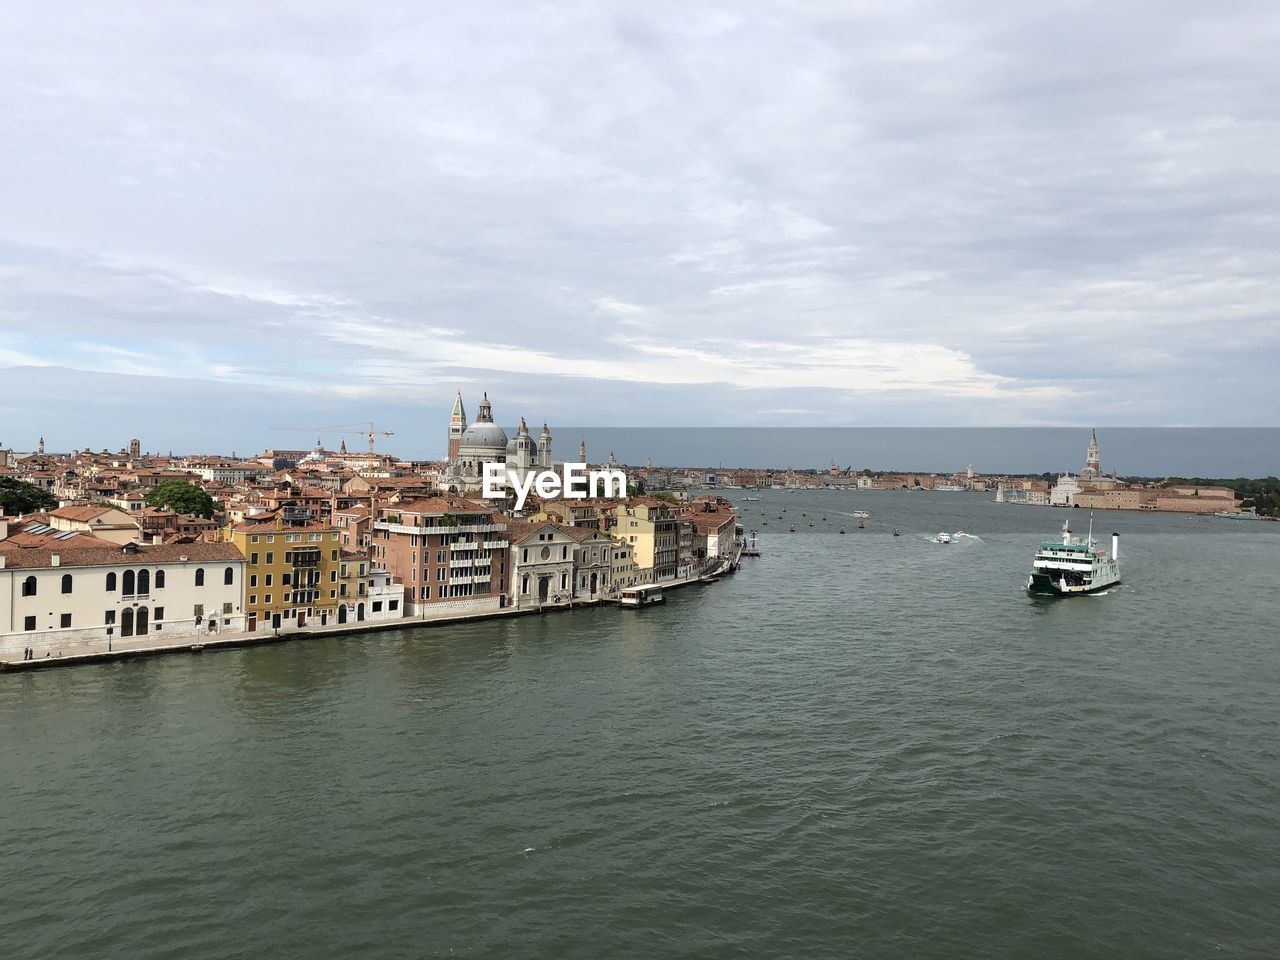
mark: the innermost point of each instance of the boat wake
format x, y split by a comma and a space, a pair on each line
967, 536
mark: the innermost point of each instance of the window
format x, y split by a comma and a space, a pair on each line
29, 588
271, 538
253, 579
29, 623
226, 607
393, 604
524, 584
253, 599
199, 576
126, 622
254, 539
159, 579
267, 598
440, 573
333, 576
267, 581
253, 558
64, 621
524, 555
333, 537
333, 554
159, 616
141, 621
109, 617
288, 556
111, 582
333, 594
271, 558
144, 582
228, 576
377, 607
66, 583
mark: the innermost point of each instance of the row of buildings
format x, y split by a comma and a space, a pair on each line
303, 539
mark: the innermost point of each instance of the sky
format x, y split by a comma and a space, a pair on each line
220, 219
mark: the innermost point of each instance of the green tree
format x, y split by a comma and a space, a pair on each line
19, 497
182, 497
664, 496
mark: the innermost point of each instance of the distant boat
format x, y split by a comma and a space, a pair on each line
895, 531
942, 538
749, 499
861, 525
793, 528
861, 513
842, 529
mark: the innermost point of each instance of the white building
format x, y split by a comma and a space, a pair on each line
1063, 491
66, 600
541, 564
385, 596
592, 562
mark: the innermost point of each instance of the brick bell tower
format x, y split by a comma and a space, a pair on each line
457, 424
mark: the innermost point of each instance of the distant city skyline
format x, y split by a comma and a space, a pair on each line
1141, 452
639, 214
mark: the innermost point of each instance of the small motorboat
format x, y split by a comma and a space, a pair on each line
793, 528
842, 529
942, 538
861, 525
895, 531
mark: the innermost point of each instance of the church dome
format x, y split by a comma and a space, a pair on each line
484, 435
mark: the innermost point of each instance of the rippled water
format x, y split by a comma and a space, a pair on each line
859, 745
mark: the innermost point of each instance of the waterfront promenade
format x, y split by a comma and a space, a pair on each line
156, 645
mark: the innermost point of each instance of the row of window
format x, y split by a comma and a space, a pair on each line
293, 537
131, 622
131, 583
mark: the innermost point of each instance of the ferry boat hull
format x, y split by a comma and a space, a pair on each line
1046, 585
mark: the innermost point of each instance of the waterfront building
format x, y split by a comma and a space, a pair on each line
715, 522
65, 598
291, 578
649, 526
1063, 491
386, 596
450, 553
625, 573
592, 561
542, 563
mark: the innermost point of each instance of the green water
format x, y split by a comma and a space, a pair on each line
860, 745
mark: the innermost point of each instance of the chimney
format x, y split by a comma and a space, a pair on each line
1115, 546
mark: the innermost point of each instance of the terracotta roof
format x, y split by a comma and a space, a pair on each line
442, 505
36, 558
83, 514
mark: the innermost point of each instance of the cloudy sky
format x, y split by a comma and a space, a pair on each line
219, 218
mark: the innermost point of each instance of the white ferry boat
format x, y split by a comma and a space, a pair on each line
1069, 566
642, 596
943, 537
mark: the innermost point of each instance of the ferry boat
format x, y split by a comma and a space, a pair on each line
1070, 565
643, 596
943, 537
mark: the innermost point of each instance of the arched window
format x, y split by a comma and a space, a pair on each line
111, 582
142, 621
126, 583
144, 583
66, 583
524, 584
29, 587
199, 576
126, 622
228, 576
159, 579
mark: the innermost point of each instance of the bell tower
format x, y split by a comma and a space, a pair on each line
544, 447
457, 424
1092, 462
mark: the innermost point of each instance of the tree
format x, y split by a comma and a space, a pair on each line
182, 497
18, 497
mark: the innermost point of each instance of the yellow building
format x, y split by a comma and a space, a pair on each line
293, 574
649, 526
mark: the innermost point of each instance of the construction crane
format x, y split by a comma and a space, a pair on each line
368, 430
